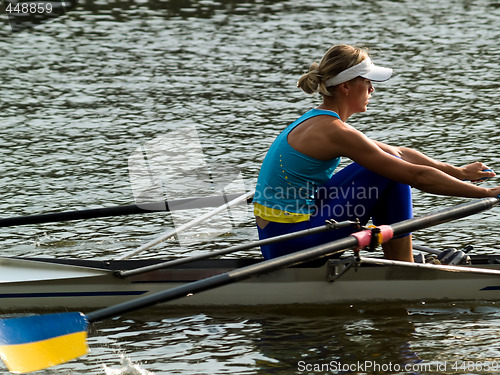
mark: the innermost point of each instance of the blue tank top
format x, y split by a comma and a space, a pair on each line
288, 179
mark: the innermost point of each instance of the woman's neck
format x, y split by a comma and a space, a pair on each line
334, 108
337, 105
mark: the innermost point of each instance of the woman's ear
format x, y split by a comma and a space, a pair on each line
344, 89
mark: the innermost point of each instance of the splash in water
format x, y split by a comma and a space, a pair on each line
127, 368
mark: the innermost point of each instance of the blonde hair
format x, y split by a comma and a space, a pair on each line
337, 59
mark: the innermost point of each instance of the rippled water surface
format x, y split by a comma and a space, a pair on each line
81, 93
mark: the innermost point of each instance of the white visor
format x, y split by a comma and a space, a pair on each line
366, 69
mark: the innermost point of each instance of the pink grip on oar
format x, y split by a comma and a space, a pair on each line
364, 237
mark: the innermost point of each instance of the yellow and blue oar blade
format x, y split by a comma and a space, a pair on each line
37, 342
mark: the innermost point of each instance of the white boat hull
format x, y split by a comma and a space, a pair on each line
29, 285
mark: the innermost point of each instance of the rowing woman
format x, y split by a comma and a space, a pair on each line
298, 187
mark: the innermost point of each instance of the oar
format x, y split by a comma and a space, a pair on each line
172, 232
37, 342
329, 225
92, 213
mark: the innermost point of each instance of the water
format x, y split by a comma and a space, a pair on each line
79, 94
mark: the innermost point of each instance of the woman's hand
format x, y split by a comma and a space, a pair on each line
476, 171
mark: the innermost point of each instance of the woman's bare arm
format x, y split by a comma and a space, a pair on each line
472, 172
414, 168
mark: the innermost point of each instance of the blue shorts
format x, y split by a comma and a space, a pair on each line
352, 193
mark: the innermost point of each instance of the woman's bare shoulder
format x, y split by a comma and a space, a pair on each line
318, 137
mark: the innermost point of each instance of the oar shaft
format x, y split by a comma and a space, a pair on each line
190, 224
289, 260
93, 213
233, 249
